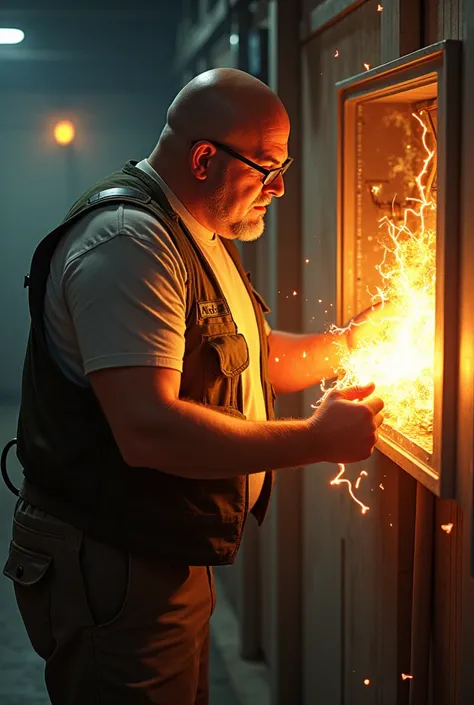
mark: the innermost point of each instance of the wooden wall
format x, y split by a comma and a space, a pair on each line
370, 595
350, 561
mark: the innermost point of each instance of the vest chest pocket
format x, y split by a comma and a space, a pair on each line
227, 356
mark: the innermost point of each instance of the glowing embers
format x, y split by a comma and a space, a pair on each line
399, 353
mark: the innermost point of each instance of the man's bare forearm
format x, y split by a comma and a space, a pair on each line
299, 361
190, 440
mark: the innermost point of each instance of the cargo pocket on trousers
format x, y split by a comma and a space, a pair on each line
29, 572
227, 358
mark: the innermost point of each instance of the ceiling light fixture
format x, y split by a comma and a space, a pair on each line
9, 35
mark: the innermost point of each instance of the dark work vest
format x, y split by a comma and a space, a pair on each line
71, 462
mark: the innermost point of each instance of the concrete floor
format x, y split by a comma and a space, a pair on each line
21, 670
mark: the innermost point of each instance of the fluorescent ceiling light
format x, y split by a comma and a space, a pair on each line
8, 35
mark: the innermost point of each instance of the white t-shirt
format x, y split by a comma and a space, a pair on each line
116, 296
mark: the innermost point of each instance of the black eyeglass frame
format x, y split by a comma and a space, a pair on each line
275, 173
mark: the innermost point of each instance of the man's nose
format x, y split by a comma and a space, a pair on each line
276, 188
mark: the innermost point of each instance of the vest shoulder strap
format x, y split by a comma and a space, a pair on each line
121, 193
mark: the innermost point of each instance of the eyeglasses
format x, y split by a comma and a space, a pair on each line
269, 175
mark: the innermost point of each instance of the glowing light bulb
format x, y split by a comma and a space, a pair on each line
64, 132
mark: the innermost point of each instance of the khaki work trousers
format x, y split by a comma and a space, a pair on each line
113, 628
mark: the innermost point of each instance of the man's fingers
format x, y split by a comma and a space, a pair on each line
358, 392
377, 313
378, 419
375, 404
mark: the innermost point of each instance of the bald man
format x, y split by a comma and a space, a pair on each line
146, 428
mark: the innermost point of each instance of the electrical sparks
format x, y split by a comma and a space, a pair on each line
367, 67
307, 261
277, 359
379, 8
339, 480
367, 681
381, 486
336, 53
406, 677
358, 481
305, 354
399, 357
294, 293
447, 527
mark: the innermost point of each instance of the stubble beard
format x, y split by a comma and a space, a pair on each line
248, 231
243, 230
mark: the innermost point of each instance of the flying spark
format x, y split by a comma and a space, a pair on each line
339, 480
447, 527
358, 481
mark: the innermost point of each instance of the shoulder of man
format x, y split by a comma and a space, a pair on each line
101, 225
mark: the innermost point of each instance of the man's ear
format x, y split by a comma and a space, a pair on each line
199, 159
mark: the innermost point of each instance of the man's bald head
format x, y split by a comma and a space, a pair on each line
222, 104
225, 131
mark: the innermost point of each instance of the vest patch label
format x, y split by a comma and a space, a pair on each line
212, 309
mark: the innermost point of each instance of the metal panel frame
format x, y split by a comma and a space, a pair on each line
438, 62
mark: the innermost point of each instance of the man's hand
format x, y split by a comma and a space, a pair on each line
370, 323
346, 423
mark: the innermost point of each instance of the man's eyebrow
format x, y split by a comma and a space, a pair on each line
267, 158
